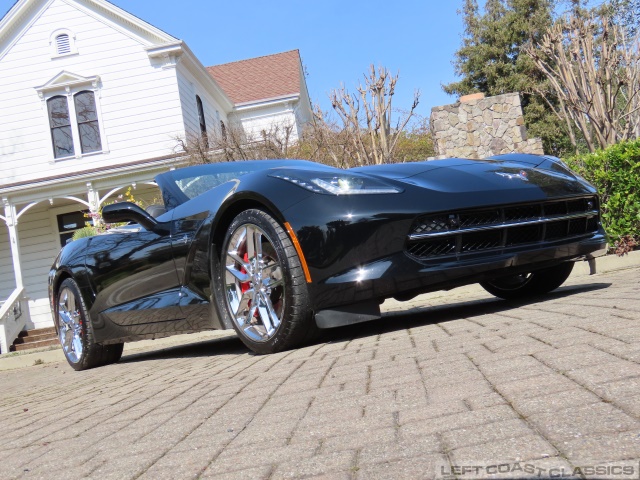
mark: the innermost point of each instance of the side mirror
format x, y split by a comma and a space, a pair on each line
128, 212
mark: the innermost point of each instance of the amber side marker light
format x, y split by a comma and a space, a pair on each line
296, 244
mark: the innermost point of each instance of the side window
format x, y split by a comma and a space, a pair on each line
203, 122
87, 117
60, 124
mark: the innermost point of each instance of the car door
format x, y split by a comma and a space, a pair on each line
191, 255
133, 275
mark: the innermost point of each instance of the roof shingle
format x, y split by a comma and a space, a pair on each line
259, 78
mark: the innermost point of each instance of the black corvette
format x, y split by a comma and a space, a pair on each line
277, 249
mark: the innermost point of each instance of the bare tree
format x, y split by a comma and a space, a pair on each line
232, 143
362, 134
366, 117
326, 141
593, 71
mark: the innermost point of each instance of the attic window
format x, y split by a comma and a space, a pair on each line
63, 44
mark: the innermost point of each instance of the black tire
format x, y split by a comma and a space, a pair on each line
529, 284
75, 331
286, 295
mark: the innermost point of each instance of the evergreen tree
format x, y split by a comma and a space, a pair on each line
490, 61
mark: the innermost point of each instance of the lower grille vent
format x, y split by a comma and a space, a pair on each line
473, 231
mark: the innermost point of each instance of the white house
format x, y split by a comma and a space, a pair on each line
92, 101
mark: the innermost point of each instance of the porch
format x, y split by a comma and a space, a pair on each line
40, 217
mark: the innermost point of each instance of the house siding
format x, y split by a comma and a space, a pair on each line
189, 88
128, 77
38, 248
256, 120
188, 104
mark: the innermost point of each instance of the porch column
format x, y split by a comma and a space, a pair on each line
93, 196
11, 218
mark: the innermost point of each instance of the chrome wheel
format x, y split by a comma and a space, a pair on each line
259, 285
70, 325
254, 283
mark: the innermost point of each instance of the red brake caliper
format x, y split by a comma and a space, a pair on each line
245, 285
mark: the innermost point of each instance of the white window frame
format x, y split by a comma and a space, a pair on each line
69, 89
53, 44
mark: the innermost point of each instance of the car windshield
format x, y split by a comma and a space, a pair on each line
195, 180
198, 184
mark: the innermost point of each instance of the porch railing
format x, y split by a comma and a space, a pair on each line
14, 314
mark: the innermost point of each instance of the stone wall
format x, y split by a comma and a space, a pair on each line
479, 127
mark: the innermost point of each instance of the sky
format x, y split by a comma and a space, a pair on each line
337, 39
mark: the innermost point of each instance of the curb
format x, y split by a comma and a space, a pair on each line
609, 263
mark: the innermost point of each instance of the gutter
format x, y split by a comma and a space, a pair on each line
283, 99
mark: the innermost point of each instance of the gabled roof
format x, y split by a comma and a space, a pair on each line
24, 12
156, 42
261, 78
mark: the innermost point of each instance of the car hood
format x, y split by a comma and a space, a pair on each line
404, 170
468, 176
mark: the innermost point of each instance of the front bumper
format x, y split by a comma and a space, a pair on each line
402, 277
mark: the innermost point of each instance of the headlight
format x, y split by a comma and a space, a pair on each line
340, 184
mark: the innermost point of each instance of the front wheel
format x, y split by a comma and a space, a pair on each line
263, 287
528, 284
75, 331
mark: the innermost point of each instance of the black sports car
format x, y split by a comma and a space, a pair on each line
277, 249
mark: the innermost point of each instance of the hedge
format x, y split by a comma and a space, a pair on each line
616, 174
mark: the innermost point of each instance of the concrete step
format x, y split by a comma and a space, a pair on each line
38, 331
17, 347
36, 338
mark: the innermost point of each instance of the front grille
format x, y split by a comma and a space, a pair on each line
556, 230
478, 241
488, 230
433, 248
555, 208
475, 219
523, 235
522, 213
434, 224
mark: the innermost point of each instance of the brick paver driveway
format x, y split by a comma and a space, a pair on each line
477, 382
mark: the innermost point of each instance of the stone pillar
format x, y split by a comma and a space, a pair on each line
479, 127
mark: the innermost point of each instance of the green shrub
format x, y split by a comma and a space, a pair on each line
87, 231
616, 173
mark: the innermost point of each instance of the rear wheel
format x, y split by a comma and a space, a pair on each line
264, 290
528, 284
75, 331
